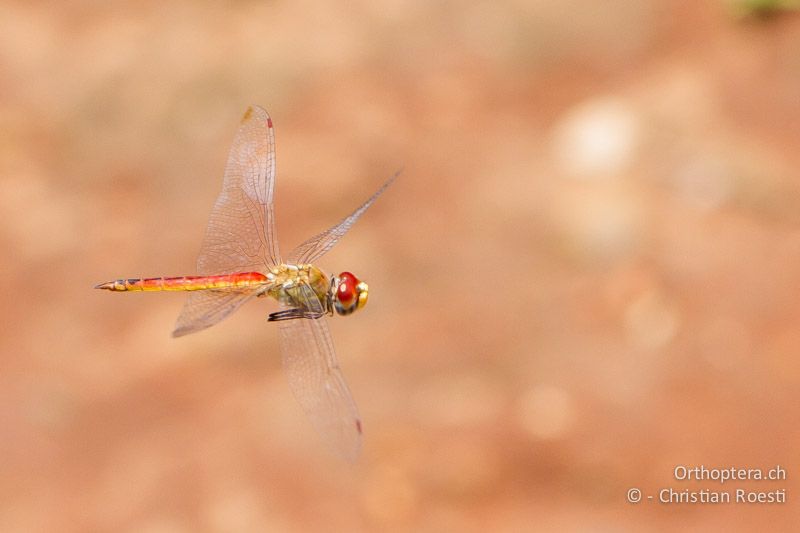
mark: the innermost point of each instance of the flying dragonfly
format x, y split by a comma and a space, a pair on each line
240, 259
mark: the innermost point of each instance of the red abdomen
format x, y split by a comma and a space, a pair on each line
187, 283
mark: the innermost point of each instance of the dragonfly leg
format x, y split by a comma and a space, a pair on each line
292, 314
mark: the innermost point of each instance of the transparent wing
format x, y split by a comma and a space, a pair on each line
240, 236
203, 309
319, 244
316, 380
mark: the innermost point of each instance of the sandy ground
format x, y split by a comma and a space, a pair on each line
587, 275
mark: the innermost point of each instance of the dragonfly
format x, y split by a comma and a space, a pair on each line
240, 260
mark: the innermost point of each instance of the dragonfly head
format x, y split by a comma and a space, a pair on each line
348, 293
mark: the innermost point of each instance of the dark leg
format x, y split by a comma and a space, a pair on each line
292, 314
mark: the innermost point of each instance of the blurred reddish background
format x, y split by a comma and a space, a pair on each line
588, 273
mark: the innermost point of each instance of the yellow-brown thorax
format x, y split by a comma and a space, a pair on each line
283, 279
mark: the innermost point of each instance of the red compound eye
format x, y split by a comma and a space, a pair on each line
346, 291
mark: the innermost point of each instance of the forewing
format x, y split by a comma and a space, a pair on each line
240, 236
203, 309
319, 244
316, 380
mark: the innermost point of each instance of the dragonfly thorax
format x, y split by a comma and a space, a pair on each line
286, 277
